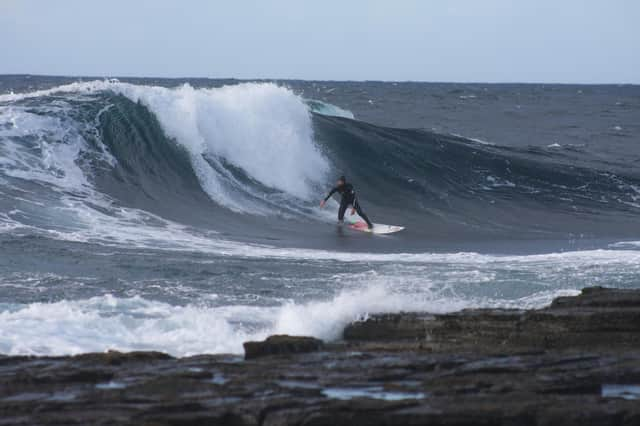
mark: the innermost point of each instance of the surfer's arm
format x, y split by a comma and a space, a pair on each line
333, 191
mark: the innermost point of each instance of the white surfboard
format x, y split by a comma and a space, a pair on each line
378, 228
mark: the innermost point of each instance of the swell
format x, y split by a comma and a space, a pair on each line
241, 159
457, 186
440, 182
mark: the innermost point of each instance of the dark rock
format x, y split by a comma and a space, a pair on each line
475, 367
117, 358
600, 297
281, 345
609, 318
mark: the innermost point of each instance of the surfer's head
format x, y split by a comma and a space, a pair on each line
342, 180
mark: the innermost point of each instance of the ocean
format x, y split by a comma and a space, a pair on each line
182, 215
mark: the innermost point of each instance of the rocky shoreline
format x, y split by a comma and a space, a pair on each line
576, 362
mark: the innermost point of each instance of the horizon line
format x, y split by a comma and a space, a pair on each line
555, 83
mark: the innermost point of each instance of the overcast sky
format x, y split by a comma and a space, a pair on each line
568, 41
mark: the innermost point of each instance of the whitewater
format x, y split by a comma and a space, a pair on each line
182, 216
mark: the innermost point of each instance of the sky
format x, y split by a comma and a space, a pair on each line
562, 41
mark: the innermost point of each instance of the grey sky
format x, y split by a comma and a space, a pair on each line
571, 41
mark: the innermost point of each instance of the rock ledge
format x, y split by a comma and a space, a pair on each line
574, 363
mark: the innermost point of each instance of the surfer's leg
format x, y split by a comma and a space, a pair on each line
362, 214
341, 210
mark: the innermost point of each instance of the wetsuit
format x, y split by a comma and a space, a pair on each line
348, 198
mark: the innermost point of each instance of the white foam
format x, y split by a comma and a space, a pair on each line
326, 319
102, 323
52, 154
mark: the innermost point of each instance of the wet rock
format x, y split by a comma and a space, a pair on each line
281, 345
117, 358
602, 297
597, 317
574, 363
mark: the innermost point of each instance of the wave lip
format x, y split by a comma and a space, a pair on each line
324, 108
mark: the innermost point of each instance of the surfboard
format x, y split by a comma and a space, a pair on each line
378, 228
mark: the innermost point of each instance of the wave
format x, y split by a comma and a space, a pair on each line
144, 163
458, 186
233, 134
127, 324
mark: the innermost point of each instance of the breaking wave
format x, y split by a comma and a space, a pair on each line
119, 151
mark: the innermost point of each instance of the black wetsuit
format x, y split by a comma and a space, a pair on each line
348, 198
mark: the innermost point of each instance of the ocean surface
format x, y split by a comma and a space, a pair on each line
182, 215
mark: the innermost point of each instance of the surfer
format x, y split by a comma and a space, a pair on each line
349, 198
